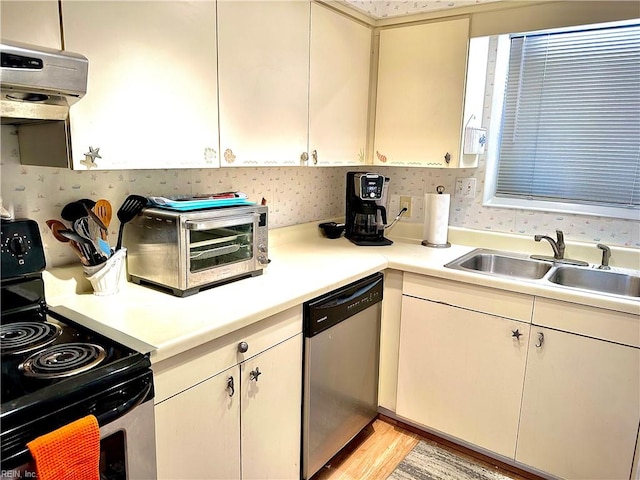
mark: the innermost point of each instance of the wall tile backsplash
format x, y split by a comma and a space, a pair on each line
294, 195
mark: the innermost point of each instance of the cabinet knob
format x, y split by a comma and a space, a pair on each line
230, 387
540, 340
447, 157
516, 334
254, 374
304, 157
243, 347
314, 157
90, 158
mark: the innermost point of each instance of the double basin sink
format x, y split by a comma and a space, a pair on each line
522, 267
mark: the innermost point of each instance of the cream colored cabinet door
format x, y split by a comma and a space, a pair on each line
151, 99
420, 96
461, 372
581, 406
271, 412
263, 61
37, 23
198, 431
338, 89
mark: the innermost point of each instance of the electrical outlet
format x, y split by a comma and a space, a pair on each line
405, 202
465, 187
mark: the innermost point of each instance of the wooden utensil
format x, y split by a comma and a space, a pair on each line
131, 207
104, 211
56, 226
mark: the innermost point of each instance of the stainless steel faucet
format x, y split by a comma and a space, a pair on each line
558, 250
557, 245
606, 255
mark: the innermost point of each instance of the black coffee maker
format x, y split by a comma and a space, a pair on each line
366, 213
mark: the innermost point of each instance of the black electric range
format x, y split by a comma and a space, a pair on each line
54, 370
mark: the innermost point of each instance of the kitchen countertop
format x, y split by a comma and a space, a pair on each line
304, 265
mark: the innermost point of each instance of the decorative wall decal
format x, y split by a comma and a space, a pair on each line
229, 157
90, 158
382, 158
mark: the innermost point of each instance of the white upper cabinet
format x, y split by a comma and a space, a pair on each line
151, 99
37, 23
338, 89
420, 95
263, 61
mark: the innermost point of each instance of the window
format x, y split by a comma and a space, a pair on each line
570, 126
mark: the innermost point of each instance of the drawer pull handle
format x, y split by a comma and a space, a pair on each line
243, 347
230, 387
540, 340
254, 374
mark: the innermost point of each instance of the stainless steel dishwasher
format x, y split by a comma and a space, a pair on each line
341, 353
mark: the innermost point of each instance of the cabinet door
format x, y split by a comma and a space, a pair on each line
151, 100
339, 88
581, 406
421, 81
461, 372
263, 54
37, 23
271, 412
198, 431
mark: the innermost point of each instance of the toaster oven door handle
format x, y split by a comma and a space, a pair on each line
220, 222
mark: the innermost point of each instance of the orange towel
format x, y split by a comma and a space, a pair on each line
70, 453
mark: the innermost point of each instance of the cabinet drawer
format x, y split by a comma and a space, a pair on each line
591, 321
502, 303
178, 373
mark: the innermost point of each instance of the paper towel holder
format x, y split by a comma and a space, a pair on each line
440, 191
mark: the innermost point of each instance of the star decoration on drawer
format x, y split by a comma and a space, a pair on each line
90, 157
516, 334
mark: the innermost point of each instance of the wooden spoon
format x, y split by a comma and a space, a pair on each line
104, 211
56, 227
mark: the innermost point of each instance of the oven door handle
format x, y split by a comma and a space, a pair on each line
126, 407
220, 222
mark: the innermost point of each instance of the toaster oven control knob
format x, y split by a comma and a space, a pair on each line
243, 347
262, 260
262, 248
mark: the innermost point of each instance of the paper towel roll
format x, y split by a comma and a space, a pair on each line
436, 219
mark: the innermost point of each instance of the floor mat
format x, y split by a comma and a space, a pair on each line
430, 462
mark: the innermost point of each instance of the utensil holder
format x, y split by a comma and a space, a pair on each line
106, 279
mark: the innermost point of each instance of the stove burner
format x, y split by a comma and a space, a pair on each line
63, 360
22, 337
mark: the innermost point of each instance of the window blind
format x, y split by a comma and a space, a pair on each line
571, 120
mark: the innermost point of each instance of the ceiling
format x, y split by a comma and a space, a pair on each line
378, 9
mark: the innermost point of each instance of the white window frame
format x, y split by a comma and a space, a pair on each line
492, 157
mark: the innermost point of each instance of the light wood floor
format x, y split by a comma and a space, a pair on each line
380, 447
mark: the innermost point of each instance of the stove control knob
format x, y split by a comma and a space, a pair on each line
17, 246
243, 347
262, 248
262, 260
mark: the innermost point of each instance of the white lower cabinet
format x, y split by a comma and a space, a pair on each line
563, 398
581, 406
270, 412
198, 431
460, 372
241, 423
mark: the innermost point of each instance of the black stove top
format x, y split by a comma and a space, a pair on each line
48, 352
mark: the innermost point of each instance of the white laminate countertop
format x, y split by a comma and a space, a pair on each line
301, 269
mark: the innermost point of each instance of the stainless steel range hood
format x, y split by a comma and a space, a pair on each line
37, 87
39, 83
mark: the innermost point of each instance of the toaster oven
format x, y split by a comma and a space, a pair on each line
183, 252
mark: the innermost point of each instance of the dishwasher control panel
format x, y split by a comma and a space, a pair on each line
333, 307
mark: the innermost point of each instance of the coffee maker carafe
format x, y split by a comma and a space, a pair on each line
366, 212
